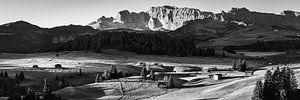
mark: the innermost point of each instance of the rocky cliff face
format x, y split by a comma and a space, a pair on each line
172, 18
287, 20
157, 18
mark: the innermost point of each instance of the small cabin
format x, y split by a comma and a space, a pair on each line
215, 76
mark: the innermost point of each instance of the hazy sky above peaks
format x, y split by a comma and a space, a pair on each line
49, 13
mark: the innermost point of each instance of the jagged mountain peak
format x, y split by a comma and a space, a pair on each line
156, 18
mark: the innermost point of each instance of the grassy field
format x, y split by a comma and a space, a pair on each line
234, 86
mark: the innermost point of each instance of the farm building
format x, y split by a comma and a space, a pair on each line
215, 76
186, 69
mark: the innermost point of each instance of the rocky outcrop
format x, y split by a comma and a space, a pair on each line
287, 20
157, 18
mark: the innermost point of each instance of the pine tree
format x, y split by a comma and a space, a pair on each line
238, 64
171, 82
80, 72
5, 75
22, 76
268, 90
293, 81
56, 77
152, 75
144, 72
166, 78
114, 72
258, 91
234, 65
17, 76
97, 78
1, 74
242, 67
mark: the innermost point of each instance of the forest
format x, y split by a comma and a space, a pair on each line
140, 43
282, 45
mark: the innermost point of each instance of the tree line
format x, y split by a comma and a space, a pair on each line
141, 43
268, 46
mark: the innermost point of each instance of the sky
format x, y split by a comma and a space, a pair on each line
50, 13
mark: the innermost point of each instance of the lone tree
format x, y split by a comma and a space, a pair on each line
152, 77
144, 72
113, 71
80, 72
97, 78
223, 54
35, 66
22, 76
1, 74
5, 75
17, 76
56, 77
234, 64
171, 82
243, 66
258, 91
58, 66
166, 78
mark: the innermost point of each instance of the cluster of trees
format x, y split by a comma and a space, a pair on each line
147, 71
20, 77
11, 88
169, 80
146, 43
3, 74
239, 65
113, 73
283, 45
280, 84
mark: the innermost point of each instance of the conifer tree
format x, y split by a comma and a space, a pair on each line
234, 64
268, 86
152, 75
1, 74
258, 91
293, 81
97, 78
166, 78
171, 82
17, 76
80, 72
56, 77
22, 76
5, 75
144, 72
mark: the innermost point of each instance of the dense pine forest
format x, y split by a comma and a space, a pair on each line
141, 43
268, 46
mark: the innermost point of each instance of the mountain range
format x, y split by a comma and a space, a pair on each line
238, 26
